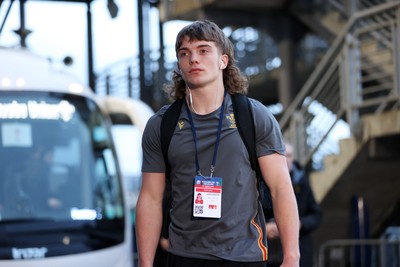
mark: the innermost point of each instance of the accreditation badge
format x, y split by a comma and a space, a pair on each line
207, 197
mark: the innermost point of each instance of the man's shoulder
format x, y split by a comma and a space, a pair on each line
255, 102
155, 120
157, 116
259, 109
163, 109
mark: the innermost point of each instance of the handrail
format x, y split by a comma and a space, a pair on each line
330, 55
381, 249
349, 7
343, 66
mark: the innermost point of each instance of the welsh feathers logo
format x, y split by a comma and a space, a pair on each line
232, 121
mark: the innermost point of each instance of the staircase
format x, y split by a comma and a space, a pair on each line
356, 83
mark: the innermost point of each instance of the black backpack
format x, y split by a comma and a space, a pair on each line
245, 124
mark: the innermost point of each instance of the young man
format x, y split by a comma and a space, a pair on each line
207, 155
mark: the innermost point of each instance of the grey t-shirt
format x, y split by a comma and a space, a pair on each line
239, 235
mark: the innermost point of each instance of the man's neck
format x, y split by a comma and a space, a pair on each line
205, 101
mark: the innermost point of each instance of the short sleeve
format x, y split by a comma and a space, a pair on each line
153, 160
269, 138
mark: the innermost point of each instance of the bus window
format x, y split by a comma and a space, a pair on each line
58, 175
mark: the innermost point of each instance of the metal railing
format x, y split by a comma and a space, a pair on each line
382, 252
120, 79
358, 75
348, 7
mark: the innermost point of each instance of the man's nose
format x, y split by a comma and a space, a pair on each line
193, 58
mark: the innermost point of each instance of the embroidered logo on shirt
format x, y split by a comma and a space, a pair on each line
231, 119
181, 124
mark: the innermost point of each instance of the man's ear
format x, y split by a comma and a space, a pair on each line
224, 62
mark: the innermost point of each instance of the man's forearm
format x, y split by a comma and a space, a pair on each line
148, 230
288, 224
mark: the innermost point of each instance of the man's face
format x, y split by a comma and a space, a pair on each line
200, 62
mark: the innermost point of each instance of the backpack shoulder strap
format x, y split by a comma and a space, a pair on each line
243, 112
167, 128
245, 125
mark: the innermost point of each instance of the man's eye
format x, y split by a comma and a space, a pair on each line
203, 51
182, 54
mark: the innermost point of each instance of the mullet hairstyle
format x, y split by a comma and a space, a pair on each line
234, 81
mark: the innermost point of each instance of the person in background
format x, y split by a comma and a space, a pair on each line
38, 175
27, 184
309, 212
207, 150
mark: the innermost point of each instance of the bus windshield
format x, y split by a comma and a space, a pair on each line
57, 165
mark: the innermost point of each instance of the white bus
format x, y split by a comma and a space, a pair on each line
62, 197
129, 118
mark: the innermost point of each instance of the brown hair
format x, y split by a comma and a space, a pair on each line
234, 80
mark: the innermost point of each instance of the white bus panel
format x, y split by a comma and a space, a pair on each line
62, 197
